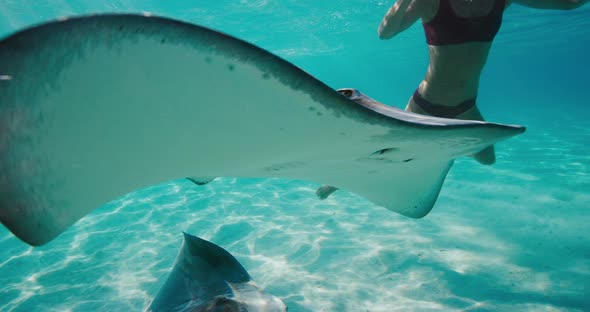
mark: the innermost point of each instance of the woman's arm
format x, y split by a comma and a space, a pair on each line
552, 4
399, 17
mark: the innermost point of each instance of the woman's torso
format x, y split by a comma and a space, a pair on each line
459, 33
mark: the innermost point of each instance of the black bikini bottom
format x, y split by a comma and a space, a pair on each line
442, 110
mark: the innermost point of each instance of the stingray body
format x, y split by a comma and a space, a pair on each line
206, 278
94, 107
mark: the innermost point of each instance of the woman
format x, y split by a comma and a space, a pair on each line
459, 34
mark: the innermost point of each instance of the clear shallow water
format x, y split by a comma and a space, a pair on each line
512, 237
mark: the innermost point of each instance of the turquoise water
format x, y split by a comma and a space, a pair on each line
511, 237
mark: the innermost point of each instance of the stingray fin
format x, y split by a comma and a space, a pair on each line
200, 180
205, 277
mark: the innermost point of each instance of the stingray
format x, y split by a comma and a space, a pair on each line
94, 107
205, 277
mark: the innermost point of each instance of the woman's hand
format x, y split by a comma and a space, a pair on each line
399, 17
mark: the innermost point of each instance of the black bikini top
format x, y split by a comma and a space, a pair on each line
447, 28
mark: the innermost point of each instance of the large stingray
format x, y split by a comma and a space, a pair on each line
94, 107
207, 278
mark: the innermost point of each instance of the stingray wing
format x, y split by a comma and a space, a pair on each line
94, 107
206, 277
202, 273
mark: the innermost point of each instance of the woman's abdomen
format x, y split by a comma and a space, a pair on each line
454, 72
